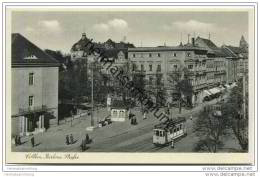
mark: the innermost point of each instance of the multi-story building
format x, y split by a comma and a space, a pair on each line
171, 60
217, 62
34, 88
83, 52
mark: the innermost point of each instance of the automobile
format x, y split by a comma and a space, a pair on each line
101, 123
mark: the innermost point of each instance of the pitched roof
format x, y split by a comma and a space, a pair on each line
207, 42
25, 53
237, 51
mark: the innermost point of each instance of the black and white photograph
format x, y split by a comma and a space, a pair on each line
126, 81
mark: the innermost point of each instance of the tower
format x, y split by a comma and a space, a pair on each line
243, 44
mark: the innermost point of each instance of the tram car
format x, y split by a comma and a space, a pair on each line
169, 131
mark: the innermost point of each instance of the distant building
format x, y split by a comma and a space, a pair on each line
216, 63
34, 88
83, 50
243, 44
85, 47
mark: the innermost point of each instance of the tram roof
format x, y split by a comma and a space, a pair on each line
170, 123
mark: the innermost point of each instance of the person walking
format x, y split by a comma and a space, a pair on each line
71, 139
67, 140
32, 141
144, 115
87, 138
172, 144
19, 140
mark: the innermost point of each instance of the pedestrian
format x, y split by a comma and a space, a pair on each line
71, 139
144, 115
16, 140
32, 141
67, 140
83, 145
19, 140
172, 144
87, 138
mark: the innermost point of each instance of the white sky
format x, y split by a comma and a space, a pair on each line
60, 30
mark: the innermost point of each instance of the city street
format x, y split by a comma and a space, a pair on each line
118, 136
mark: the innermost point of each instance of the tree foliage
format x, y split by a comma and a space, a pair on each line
182, 88
233, 109
210, 126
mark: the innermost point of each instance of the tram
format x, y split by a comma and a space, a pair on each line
169, 131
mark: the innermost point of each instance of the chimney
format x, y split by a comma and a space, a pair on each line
83, 36
193, 41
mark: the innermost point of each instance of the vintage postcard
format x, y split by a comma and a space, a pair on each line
131, 85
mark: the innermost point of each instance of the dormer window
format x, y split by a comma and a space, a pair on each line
174, 54
30, 57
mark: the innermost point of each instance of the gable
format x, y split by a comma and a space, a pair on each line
25, 53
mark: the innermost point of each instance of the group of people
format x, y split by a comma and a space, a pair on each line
69, 139
84, 142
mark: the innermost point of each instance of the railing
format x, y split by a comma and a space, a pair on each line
33, 109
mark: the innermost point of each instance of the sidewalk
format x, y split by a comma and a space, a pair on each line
115, 136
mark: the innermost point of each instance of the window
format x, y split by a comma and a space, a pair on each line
157, 132
175, 67
30, 100
133, 55
188, 54
190, 66
31, 78
174, 54
159, 55
142, 67
150, 80
159, 69
134, 67
150, 55
150, 67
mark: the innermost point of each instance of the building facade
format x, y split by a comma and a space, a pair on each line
34, 88
169, 61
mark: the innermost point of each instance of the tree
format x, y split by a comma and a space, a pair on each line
182, 88
160, 92
139, 82
61, 58
210, 126
233, 110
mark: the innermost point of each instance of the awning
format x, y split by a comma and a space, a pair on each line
221, 88
207, 93
214, 91
227, 86
233, 85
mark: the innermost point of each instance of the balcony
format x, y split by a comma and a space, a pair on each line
33, 109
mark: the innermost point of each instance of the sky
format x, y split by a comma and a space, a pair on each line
60, 30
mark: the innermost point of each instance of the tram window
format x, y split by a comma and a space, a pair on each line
161, 134
180, 126
175, 130
157, 132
